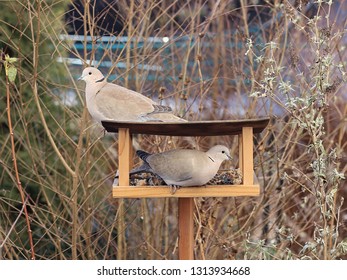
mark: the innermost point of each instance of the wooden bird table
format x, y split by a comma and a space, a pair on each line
243, 128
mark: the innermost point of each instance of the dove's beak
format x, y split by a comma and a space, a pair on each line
80, 78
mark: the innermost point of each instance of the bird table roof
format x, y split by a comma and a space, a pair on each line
194, 128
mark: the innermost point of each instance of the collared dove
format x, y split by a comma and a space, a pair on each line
107, 101
183, 167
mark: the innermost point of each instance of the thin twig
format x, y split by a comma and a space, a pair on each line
12, 227
14, 158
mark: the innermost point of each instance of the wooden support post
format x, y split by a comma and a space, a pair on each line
124, 156
240, 153
186, 228
247, 155
124, 165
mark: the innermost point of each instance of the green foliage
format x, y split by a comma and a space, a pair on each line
19, 42
10, 68
305, 91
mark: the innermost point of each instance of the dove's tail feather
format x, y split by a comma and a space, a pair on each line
144, 168
142, 155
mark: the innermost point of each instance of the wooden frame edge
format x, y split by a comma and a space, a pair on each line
204, 191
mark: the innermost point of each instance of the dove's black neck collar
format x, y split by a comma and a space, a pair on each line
211, 158
101, 80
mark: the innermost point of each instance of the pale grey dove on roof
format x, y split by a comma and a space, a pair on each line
111, 102
183, 167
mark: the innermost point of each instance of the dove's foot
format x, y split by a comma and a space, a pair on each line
174, 188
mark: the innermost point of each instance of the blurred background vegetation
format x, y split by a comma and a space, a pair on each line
207, 60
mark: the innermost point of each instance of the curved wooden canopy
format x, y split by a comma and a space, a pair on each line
194, 128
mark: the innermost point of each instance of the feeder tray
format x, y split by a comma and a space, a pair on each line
249, 186
243, 128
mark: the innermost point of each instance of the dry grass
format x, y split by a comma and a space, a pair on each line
223, 60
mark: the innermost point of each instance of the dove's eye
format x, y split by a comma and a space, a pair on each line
223, 152
90, 73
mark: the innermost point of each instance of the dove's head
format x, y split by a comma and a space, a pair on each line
92, 75
219, 153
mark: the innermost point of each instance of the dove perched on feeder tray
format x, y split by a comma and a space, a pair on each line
111, 102
184, 167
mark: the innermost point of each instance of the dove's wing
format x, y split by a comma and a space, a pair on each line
119, 103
